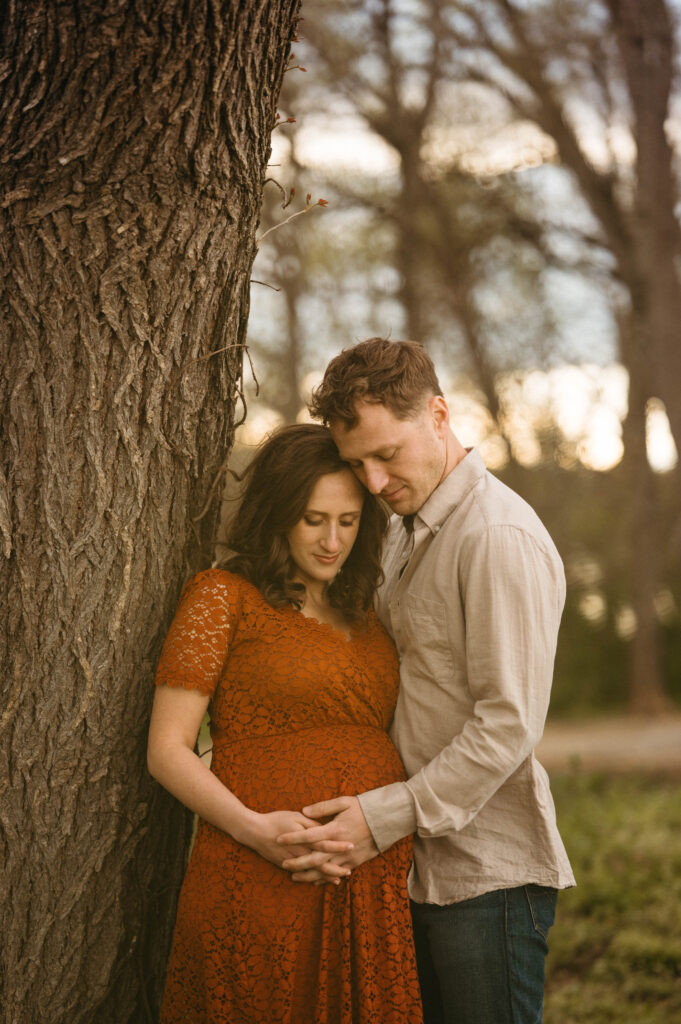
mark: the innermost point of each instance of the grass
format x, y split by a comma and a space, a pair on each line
616, 945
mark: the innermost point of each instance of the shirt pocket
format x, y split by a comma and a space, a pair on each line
426, 639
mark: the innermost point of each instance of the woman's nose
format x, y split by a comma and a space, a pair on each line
330, 541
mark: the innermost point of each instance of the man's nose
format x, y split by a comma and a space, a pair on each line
375, 478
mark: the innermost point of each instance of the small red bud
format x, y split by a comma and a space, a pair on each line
308, 197
290, 120
292, 192
322, 202
301, 69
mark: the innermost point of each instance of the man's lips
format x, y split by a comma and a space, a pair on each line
392, 495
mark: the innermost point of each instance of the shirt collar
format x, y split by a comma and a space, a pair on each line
451, 491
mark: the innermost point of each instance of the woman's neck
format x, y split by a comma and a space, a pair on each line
316, 594
316, 605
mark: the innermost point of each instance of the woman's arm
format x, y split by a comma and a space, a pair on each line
175, 722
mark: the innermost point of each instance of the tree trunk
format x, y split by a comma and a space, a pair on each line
647, 687
133, 150
646, 44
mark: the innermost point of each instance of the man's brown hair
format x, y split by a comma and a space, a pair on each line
397, 374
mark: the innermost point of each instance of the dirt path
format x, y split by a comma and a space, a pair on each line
620, 744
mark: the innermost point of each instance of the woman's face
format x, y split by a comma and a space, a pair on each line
322, 540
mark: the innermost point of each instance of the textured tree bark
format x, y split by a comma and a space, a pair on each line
133, 144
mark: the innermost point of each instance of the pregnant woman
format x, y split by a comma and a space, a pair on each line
301, 681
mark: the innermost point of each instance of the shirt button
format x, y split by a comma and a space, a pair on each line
436, 529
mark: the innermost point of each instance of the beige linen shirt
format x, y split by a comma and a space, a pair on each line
475, 616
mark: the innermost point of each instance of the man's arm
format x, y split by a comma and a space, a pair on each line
513, 590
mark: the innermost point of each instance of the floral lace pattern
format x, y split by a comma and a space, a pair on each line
299, 713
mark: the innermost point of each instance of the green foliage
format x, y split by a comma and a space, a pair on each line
616, 945
588, 514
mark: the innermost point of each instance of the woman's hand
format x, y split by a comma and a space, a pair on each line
261, 832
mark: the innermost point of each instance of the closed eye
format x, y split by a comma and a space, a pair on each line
378, 456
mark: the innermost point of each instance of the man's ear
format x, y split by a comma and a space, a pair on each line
439, 410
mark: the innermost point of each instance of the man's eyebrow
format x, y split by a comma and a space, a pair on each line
377, 451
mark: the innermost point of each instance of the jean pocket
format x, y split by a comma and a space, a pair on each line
542, 903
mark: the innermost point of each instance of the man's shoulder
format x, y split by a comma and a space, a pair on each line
492, 507
494, 503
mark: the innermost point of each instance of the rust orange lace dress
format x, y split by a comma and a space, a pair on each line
299, 714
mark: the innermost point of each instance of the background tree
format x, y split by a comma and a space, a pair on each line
133, 151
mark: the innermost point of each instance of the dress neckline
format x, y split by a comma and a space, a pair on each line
348, 638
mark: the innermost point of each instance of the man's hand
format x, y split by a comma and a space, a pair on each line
325, 860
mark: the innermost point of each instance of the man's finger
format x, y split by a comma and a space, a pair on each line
326, 808
318, 861
322, 843
334, 846
316, 878
310, 836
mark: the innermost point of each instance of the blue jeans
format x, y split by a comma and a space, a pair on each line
482, 961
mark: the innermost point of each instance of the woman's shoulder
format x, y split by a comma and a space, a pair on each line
216, 576
212, 580
225, 584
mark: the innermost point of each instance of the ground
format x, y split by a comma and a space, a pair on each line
622, 744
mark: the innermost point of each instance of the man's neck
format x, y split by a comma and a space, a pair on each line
456, 453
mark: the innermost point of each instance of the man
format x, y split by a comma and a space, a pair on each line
473, 594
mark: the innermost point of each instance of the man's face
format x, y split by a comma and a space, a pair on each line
402, 461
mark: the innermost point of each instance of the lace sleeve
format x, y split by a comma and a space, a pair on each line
197, 644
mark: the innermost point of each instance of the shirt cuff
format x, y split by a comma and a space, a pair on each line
390, 813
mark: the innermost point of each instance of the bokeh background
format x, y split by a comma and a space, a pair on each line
502, 181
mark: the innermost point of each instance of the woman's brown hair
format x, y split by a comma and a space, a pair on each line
279, 482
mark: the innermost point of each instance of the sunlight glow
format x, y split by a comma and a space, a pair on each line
479, 149
662, 453
593, 607
343, 147
258, 424
586, 404
625, 622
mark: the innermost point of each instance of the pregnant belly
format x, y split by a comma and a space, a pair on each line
290, 770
